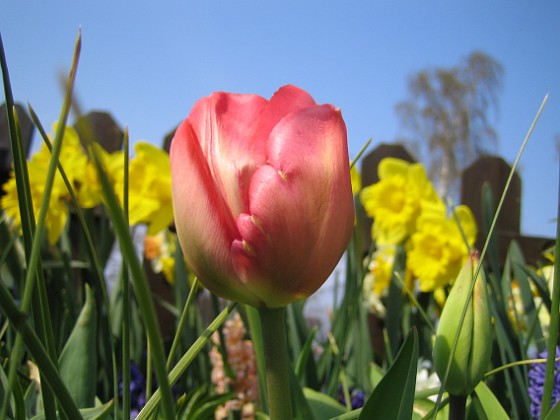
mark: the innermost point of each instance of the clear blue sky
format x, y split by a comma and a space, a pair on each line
148, 62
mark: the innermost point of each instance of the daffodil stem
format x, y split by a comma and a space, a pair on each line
457, 405
277, 364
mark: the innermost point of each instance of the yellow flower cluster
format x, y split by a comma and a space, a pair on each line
149, 188
149, 185
74, 161
407, 211
159, 250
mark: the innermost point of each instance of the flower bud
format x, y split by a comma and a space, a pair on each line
474, 347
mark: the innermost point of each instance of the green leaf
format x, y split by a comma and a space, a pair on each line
351, 415
3, 386
303, 356
375, 374
323, 406
200, 344
554, 413
393, 398
94, 413
517, 261
206, 409
140, 283
78, 360
490, 403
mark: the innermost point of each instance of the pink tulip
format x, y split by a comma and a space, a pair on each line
262, 194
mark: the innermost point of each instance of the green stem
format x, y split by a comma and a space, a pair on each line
553, 327
181, 324
126, 298
277, 363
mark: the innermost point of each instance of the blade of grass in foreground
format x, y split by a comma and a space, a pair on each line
185, 361
34, 271
140, 283
39, 353
90, 249
126, 298
553, 328
483, 252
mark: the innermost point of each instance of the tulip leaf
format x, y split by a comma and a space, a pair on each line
490, 403
78, 359
323, 406
393, 398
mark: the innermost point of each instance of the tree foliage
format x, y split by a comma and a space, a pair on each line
448, 115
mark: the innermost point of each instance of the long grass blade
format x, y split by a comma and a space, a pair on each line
140, 284
33, 264
181, 324
553, 328
18, 320
95, 264
484, 248
185, 361
125, 297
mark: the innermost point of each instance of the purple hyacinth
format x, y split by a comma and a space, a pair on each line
137, 390
536, 383
357, 397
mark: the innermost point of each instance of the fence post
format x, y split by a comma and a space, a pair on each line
103, 128
493, 171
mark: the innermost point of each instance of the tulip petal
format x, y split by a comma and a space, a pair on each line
301, 209
286, 100
225, 124
204, 221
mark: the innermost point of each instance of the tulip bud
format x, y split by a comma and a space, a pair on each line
474, 347
262, 195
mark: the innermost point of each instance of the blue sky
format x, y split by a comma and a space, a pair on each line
147, 63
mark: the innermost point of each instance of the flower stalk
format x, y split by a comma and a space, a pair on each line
277, 363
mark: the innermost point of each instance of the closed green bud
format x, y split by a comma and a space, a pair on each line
474, 347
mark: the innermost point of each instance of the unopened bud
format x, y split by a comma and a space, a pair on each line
474, 347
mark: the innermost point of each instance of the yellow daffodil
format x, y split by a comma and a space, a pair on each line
395, 201
356, 180
73, 160
149, 188
89, 192
437, 249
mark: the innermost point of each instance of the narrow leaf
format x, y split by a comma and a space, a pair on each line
323, 406
393, 398
78, 360
490, 403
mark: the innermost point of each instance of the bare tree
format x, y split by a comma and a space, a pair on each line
447, 116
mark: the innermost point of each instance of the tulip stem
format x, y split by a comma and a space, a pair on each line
277, 364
